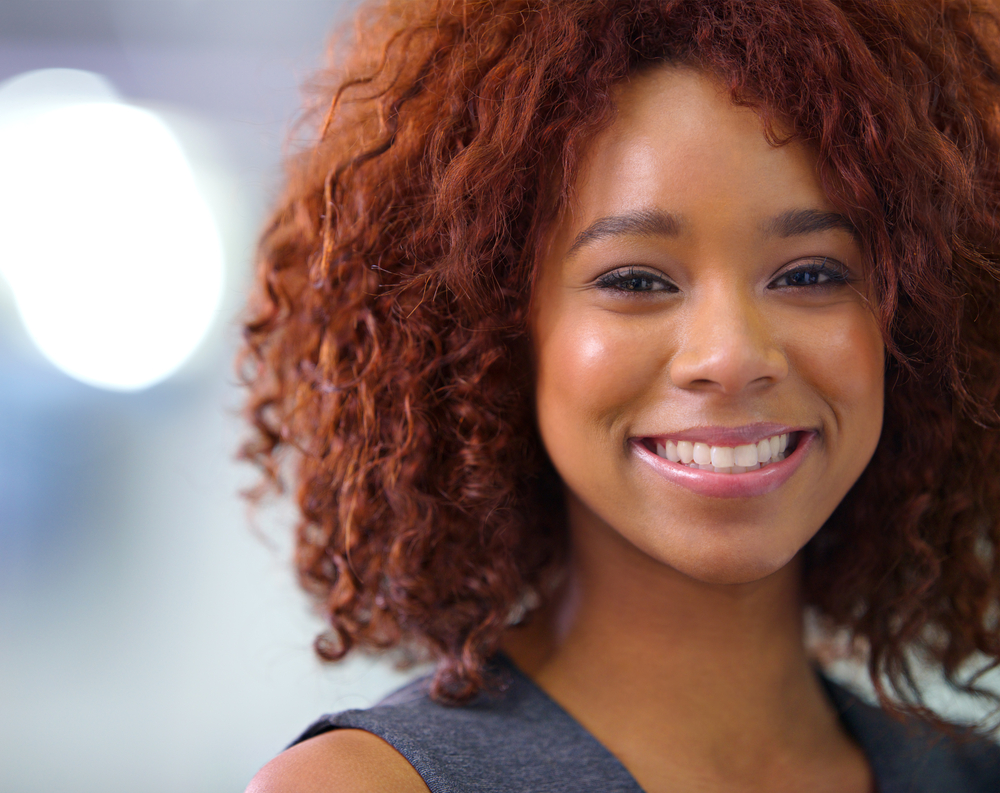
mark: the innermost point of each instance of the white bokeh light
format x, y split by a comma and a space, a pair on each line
110, 250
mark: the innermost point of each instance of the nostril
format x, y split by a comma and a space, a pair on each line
727, 373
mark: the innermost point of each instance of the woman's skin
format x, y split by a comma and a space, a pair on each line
699, 286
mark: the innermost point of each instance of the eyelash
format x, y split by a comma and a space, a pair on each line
834, 273
617, 278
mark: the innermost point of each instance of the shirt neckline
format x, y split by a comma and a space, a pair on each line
854, 714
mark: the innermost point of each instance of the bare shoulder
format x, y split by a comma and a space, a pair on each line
341, 761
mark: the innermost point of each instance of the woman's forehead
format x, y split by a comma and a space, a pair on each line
680, 149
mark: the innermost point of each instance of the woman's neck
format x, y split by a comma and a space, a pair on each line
703, 683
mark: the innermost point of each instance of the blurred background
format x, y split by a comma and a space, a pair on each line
151, 638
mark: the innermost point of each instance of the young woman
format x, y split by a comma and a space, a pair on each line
610, 337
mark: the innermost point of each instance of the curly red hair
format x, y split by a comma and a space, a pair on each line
387, 341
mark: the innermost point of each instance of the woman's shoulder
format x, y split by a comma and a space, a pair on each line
509, 738
350, 752
340, 761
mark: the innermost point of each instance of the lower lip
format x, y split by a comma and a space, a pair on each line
716, 485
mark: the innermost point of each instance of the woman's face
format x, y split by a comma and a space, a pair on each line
709, 374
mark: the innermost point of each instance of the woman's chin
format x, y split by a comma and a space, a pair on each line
728, 563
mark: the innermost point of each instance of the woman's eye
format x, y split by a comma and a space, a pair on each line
635, 280
823, 273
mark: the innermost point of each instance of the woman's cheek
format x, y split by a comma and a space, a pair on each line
846, 366
593, 370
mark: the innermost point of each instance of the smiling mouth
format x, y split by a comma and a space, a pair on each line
725, 459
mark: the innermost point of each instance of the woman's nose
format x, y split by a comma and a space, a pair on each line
728, 345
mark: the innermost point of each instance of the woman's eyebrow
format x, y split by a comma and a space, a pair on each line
641, 223
797, 222
658, 223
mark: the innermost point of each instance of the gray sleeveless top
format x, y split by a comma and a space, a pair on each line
515, 739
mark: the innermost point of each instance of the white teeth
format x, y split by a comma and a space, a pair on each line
746, 455
725, 459
723, 456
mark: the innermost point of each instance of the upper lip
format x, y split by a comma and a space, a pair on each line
729, 436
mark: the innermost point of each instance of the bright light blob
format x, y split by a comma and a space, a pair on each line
112, 253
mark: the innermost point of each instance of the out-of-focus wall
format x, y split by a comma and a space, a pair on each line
150, 640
